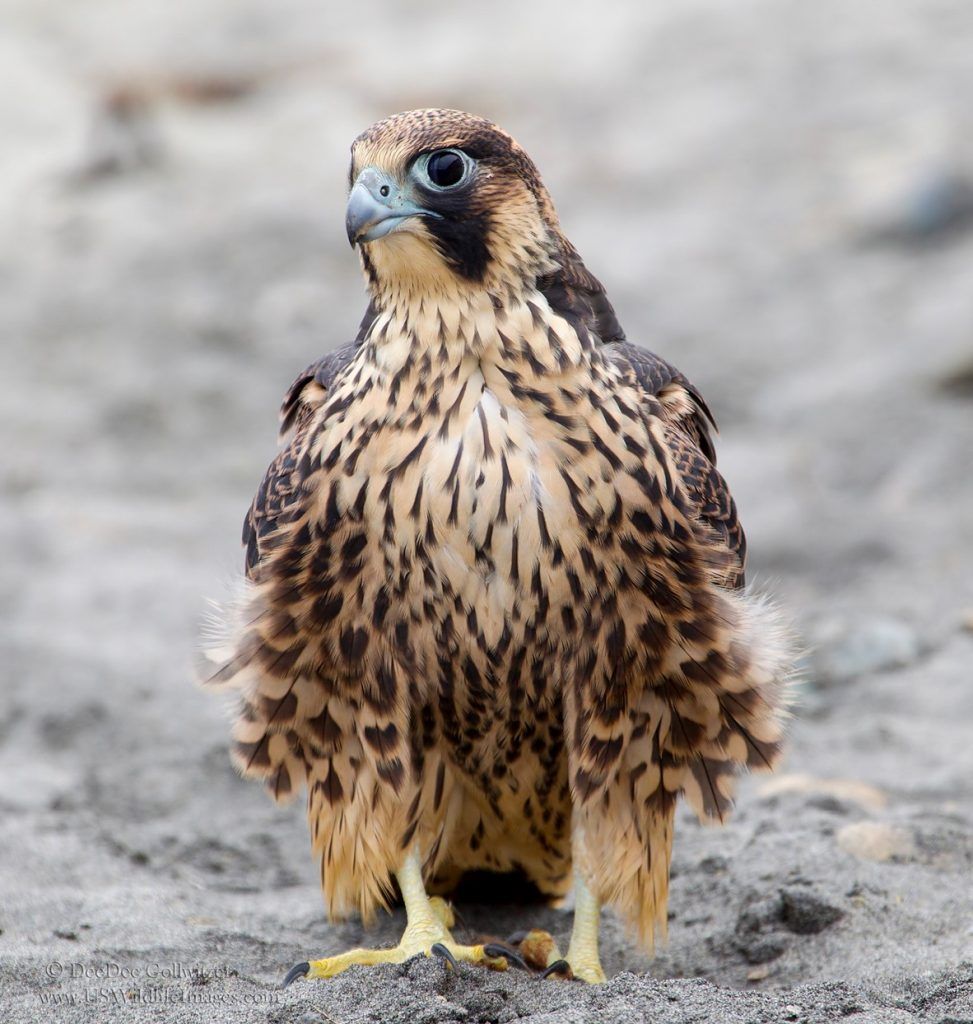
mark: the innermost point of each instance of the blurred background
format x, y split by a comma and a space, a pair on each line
779, 199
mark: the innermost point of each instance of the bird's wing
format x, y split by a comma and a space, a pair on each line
576, 294
323, 695
685, 686
279, 490
689, 430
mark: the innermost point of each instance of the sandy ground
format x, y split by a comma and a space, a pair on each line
776, 194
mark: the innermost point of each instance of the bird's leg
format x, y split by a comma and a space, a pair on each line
427, 931
583, 947
582, 961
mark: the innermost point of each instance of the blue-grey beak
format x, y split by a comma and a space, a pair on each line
377, 206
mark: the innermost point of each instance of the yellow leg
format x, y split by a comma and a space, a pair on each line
427, 925
540, 951
583, 948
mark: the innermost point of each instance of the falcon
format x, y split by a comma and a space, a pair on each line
495, 615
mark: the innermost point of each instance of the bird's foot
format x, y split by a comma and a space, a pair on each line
428, 935
540, 951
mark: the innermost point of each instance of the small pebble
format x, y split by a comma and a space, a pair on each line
865, 795
874, 840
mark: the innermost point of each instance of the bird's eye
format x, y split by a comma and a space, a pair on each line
447, 168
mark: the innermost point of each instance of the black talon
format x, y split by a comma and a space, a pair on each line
558, 967
517, 938
438, 949
297, 971
495, 949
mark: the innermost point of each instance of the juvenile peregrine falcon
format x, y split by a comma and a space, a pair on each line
495, 616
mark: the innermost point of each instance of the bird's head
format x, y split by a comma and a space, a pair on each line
441, 199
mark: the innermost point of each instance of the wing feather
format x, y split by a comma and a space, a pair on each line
690, 426
577, 295
700, 695
279, 491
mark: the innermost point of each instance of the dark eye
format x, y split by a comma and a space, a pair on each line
447, 168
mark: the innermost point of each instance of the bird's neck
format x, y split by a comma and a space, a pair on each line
455, 331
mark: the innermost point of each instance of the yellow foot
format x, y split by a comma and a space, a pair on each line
451, 952
540, 951
429, 936
588, 970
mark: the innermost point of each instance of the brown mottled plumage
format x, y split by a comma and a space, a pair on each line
495, 590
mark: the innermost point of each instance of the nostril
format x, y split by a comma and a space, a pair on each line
383, 191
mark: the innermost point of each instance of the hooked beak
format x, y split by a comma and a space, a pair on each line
377, 206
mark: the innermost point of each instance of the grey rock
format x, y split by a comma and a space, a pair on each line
844, 650
935, 206
805, 912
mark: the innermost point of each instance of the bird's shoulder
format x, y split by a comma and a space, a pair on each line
277, 497
689, 430
312, 386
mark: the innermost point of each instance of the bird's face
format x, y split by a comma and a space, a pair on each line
443, 196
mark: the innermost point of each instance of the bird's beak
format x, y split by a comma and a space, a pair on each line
377, 206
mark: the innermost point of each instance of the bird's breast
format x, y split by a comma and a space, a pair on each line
472, 497
482, 482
